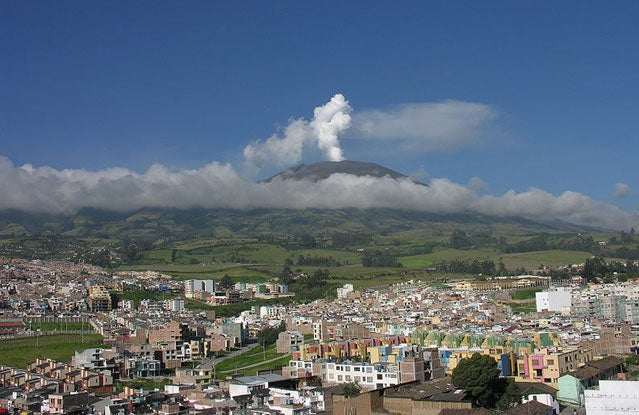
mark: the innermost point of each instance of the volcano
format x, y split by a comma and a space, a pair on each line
323, 169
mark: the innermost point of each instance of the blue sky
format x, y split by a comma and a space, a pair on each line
530, 94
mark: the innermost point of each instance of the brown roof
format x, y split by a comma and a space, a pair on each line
464, 411
595, 367
606, 363
422, 390
536, 387
12, 324
529, 408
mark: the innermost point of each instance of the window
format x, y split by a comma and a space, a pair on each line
379, 376
550, 361
339, 378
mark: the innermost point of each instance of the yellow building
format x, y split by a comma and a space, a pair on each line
547, 365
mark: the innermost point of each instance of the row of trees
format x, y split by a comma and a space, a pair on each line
317, 261
379, 258
475, 266
597, 267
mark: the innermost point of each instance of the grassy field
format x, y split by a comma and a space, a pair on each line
252, 358
525, 294
58, 347
59, 325
531, 260
528, 260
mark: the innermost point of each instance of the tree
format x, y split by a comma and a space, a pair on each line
459, 240
226, 282
478, 376
268, 335
350, 389
511, 395
593, 267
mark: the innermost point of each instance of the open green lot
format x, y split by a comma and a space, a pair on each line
60, 347
253, 358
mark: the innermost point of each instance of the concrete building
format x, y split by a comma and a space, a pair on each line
573, 384
344, 291
174, 304
548, 366
191, 287
614, 397
425, 398
540, 392
558, 300
289, 341
99, 299
64, 403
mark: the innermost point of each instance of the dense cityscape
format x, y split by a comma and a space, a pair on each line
328, 355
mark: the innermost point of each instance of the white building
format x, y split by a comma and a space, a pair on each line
174, 304
272, 311
558, 299
344, 290
614, 397
368, 376
193, 286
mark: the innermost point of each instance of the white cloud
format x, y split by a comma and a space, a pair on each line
215, 185
426, 126
323, 131
622, 190
477, 184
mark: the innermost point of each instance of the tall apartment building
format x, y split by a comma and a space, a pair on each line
191, 287
99, 299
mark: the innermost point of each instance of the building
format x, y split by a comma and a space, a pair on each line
289, 341
540, 392
423, 398
573, 384
558, 300
548, 366
70, 402
192, 287
99, 299
13, 326
614, 397
174, 304
344, 291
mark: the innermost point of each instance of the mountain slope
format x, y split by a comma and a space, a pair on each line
323, 169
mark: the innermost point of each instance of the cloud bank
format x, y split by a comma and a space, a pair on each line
444, 125
216, 185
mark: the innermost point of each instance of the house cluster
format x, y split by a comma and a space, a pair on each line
211, 292
399, 345
34, 287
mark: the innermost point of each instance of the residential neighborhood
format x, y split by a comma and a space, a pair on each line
386, 343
